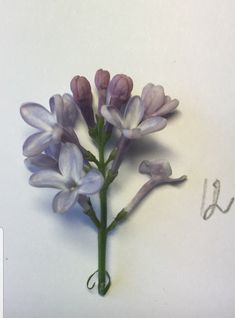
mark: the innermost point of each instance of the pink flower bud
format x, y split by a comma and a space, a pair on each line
82, 94
80, 88
120, 87
102, 79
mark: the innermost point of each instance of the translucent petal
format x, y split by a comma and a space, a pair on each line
152, 124
133, 113
155, 168
40, 162
70, 114
57, 133
91, 183
146, 90
167, 99
112, 115
53, 150
153, 98
37, 116
134, 133
64, 200
57, 107
48, 179
167, 108
71, 161
36, 143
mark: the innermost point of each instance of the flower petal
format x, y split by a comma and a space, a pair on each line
37, 116
91, 183
40, 162
167, 99
134, 133
57, 107
53, 150
167, 108
156, 168
48, 179
152, 124
64, 200
70, 114
133, 113
153, 98
112, 115
71, 161
36, 143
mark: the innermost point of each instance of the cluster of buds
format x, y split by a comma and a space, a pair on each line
59, 159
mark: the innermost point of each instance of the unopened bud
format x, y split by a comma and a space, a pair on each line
120, 87
102, 79
101, 82
80, 88
82, 94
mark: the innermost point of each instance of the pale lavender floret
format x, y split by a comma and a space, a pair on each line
65, 109
37, 143
155, 101
159, 172
69, 179
159, 168
47, 160
50, 125
53, 151
131, 124
40, 162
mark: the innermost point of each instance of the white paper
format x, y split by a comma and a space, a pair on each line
1, 273
166, 261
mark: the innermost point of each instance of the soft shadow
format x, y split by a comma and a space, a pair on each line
69, 224
130, 214
173, 116
149, 147
76, 216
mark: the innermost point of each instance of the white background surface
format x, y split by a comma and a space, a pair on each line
1, 273
166, 261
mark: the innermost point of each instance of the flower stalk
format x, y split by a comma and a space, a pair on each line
102, 240
58, 160
102, 231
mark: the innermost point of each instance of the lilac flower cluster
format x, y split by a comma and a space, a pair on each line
58, 160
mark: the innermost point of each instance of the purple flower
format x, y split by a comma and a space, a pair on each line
65, 110
155, 101
131, 123
69, 179
50, 125
40, 162
159, 171
47, 160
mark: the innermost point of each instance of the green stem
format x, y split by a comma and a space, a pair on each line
102, 232
102, 239
101, 160
122, 215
